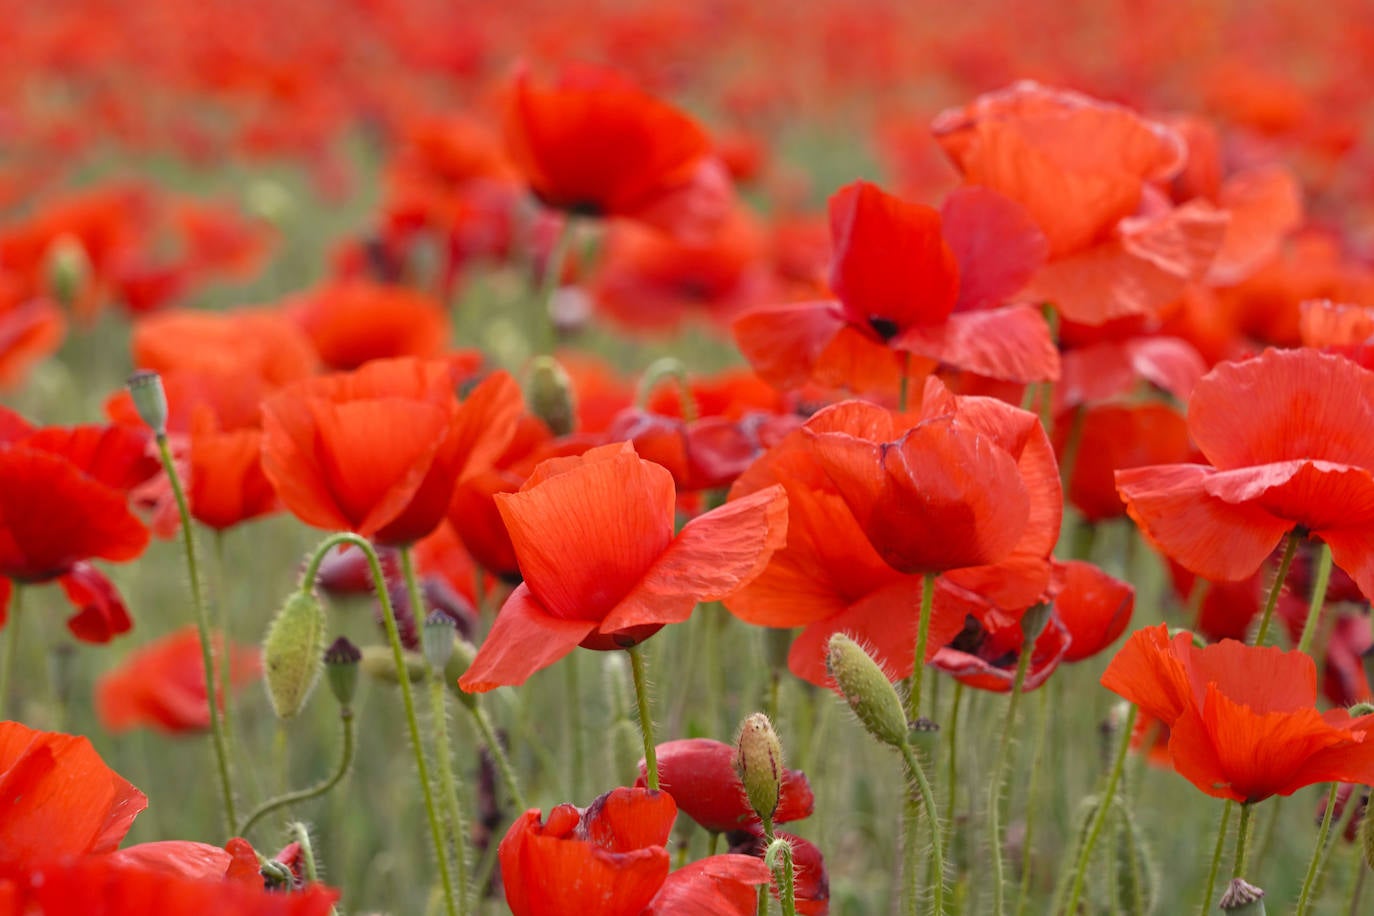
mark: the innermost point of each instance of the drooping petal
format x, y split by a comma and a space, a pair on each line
1147, 671
524, 639
784, 343
101, 614
1093, 606
996, 243
1012, 344
722, 885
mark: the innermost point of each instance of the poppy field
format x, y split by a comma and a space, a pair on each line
673, 458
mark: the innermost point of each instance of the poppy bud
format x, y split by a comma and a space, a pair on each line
1361, 709
292, 652
758, 763
550, 396
379, 662
341, 668
68, 267
1033, 622
867, 690
436, 638
150, 400
1243, 898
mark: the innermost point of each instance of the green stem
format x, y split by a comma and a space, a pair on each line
937, 843
657, 371
911, 853
498, 754
310, 867
951, 757
1322, 834
1242, 839
712, 843
1042, 721
1215, 868
1258, 859
999, 777
393, 636
787, 891
918, 661
225, 647
572, 717
1361, 870
904, 392
448, 786
1318, 601
548, 283
11, 648
1071, 446
315, 791
1290, 548
646, 724
1104, 807
203, 628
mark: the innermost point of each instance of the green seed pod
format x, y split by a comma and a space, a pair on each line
150, 400
436, 639
1242, 899
866, 688
341, 668
292, 653
549, 394
758, 763
378, 662
1033, 622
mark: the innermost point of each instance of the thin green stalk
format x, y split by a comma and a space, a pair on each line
224, 654
1275, 809
1322, 834
188, 543
572, 717
1361, 870
904, 392
1242, 838
1340, 826
999, 778
951, 750
712, 843
1318, 600
1104, 807
498, 754
1290, 548
1042, 721
1215, 868
911, 851
1071, 446
548, 283
937, 841
448, 787
393, 636
315, 791
918, 661
646, 723
11, 648
787, 891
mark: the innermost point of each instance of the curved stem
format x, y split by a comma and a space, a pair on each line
188, 543
1104, 807
448, 786
937, 843
315, 791
11, 648
498, 754
657, 371
918, 661
1216, 857
646, 723
1317, 602
393, 636
1322, 834
1290, 548
787, 891
999, 777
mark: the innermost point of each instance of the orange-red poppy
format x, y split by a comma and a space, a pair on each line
1290, 440
161, 685
610, 858
700, 775
252, 346
594, 143
1113, 437
1242, 720
352, 322
601, 565
378, 451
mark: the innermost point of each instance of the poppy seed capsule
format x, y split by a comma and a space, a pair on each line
758, 763
150, 399
1242, 899
436, 638
341, 668
550, 396
292, 653
867, 689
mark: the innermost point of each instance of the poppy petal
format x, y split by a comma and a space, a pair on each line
101, 612
524, 639
1012, 344
996, 243
784, 343
722, 885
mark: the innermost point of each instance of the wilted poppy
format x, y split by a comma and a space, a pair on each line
609, 858
1290, 438
161, 685
379, 450
700, 774
1242, 720
601, 566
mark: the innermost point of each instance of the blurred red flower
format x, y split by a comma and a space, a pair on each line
602, 567
355, 321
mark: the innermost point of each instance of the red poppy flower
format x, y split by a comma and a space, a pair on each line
64, 502
910, 278
700, 774
1242, 720
59, 798
1335, 327
379, 450
985, 655
162, 684
1093, 606
30, 330
1114, 437
595, 144
260, 345
602, 568
226, 483
609, 858
353, 322
1290, 438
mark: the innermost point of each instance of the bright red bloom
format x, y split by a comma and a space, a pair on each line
609, 858
1114, 437
1290, 438
249, 346
1093, 606
985, 655
602, 568
161, 685
1242, 719
353, 322
59, 798
596, 144
700, 774
378, 451
226, 482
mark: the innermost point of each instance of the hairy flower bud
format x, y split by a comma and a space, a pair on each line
866, 688
549, 394
292, 653
758, 763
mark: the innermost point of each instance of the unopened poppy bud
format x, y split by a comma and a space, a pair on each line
379, 662
292, 653
68, 267
341, 668
150, 400
758, 763
1242, 898
436, 638
867, 690
1361, 709
550, 396
1034, 621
